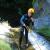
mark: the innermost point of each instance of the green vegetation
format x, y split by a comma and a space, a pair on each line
44, 31
4, 45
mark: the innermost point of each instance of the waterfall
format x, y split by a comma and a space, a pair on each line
38, 42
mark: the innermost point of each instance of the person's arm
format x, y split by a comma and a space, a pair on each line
21, 21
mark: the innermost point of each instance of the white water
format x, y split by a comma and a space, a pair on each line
4, 28
37, 41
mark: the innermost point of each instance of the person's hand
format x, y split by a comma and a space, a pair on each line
24, 25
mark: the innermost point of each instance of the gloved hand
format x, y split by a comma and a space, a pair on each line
24, 25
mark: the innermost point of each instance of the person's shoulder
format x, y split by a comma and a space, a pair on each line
25, 15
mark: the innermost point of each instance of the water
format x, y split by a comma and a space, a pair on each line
4, 29
38, 42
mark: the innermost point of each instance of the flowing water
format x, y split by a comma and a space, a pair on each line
38, 42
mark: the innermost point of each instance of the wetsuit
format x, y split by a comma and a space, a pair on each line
25, 20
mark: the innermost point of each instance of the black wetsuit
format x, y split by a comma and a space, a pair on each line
24, 20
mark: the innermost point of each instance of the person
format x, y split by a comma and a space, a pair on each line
25, 22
